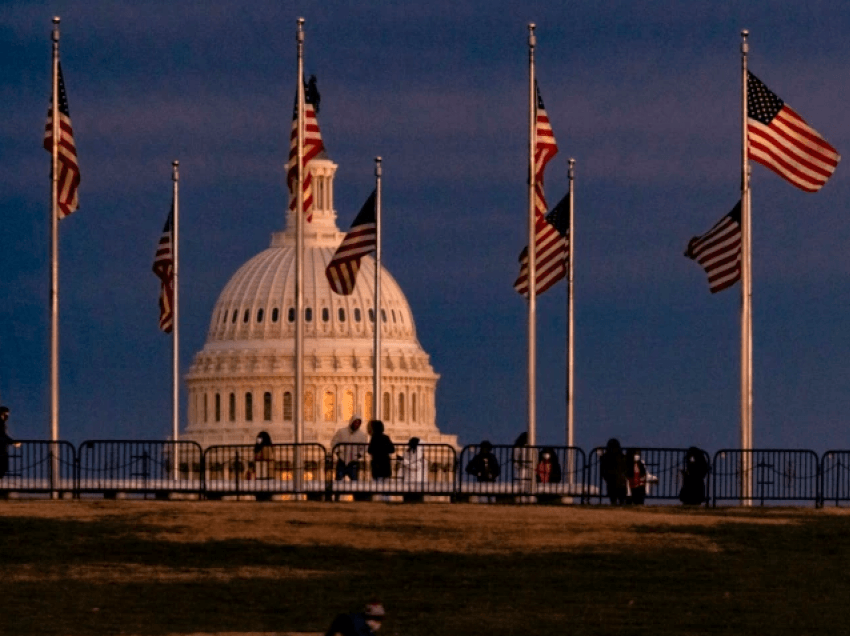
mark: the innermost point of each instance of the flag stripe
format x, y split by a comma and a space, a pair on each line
552, 238
779, 139
68, 180
313, 147
362, 238
163, 267
718, 251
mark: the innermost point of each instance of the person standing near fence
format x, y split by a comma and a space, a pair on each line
522, 459
636, 475
693, 477
349, 444
4, 442
484, 466
612, 465
381, 448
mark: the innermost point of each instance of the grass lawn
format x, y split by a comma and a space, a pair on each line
158, 567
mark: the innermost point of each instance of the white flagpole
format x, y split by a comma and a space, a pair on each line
175, 330
746, 294
299, 260
532, 243
571, 317
377, 402
54, 267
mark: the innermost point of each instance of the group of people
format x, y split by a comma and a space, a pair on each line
627, 479
544, 469
350, 444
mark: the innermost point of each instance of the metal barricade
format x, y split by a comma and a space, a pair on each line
835, 476
277, 469
114, 468
664, 473
427, 470
778, 475
38, 466
521, 473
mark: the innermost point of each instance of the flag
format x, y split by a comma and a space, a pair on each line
781, 140
545, 148
361, 239
553, 249
163, 267
719, 251
313, 146
69, 170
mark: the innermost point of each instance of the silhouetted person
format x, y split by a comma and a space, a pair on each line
522, 458
5, 440
484, 466
693, 477
363, 623
612, 465
381, 448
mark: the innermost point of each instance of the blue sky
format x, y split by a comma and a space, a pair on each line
645, 97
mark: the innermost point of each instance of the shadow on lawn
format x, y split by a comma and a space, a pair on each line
764, 578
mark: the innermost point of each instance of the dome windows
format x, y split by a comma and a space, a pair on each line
371, 315
287, 407
233, 318
267, 407
383, 315
308, 314
249, 407
341, 314
357, 314
290, 315
275, 314
246, 315
260, 315
217, 407
231, 415
308, 406
326, 314
328, 406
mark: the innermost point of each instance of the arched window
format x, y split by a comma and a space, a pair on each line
368, 410
357, 314
341, 314
249, 407
328, 406
246, 315
235, 313
205, 408
308, 406
371, 315
413, 407
383, 315
224, 316
401, 407
290, 315
392, 311
387, 407
260, 315
232, 412
347, 405
287, 407
267, 406
326, 314
217, 407
275, 314
308, 314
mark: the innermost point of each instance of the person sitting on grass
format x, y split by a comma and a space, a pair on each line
363, 623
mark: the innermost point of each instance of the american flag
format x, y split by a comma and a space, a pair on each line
163, 267
361, 240
69, 170
781, 140
545, 149
719, 251
550, 241
313, 146
553, 250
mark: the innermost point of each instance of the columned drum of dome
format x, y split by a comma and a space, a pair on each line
250, 348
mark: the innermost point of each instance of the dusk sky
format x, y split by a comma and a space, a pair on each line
645, 96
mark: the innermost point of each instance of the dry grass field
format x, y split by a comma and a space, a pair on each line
160, 568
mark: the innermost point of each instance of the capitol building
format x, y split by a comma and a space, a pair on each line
242, 381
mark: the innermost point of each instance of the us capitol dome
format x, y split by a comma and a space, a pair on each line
242, 381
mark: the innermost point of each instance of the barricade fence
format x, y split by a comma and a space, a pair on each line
774, 475
477, 472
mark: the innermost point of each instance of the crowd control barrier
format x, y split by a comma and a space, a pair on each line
38, 466
835, 477
759, 476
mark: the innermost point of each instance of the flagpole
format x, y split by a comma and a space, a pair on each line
570, 316
54, 257
532, 243
175, 330
299, 259
376, 353
746, 292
